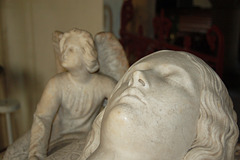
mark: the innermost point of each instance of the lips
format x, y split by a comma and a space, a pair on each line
131, 96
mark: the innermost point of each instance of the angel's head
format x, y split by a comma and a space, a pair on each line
78, 50
169, 105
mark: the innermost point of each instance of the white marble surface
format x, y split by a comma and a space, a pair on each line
169, 105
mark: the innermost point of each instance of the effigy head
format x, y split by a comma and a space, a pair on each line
169, 105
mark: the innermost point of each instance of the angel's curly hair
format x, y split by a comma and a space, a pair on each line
217, 130
86, 45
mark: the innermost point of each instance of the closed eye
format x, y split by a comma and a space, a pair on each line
174, 80
178, 80
175, 75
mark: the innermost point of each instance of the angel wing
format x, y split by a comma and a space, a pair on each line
112, 58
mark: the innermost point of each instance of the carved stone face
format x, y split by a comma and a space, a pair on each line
153, 111
71, 53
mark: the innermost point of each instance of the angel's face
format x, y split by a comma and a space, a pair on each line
71, 53
154, 109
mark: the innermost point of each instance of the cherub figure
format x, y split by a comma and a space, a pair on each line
168, 106
70, 102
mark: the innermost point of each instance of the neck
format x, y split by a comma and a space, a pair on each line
80, 75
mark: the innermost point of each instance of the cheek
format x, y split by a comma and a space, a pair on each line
75, 59
173, 110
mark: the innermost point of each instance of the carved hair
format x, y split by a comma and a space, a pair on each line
217, 129
86, 45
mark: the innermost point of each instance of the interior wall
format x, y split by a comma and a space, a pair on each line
112, 16
27, 52
144, 12
226, 16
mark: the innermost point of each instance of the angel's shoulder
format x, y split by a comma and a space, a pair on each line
58, 79
105, 79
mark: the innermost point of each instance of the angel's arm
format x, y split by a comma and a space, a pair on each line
43, 118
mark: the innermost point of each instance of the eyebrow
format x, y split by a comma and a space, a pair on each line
179, 72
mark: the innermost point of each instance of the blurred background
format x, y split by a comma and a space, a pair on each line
26, 54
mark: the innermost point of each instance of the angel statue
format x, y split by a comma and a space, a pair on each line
72, 98
168, 106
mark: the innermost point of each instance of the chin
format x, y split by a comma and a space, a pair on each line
64, 65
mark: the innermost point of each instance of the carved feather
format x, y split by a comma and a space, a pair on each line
111, 56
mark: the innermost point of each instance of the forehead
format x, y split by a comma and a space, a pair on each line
166, 62
72, 39
161, 59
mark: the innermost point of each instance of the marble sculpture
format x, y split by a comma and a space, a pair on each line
168, 106
72, 98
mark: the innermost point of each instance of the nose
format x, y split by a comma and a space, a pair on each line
63, 56
139, 80
64, 53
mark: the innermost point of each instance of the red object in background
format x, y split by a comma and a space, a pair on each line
138, 46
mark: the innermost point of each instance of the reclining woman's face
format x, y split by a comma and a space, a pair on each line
153, 111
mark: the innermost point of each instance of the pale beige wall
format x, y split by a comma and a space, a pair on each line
26, 32
112, 16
